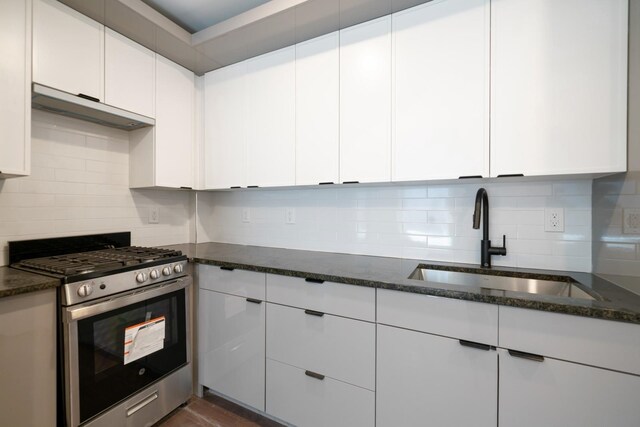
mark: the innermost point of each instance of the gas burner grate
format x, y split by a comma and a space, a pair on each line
105, 259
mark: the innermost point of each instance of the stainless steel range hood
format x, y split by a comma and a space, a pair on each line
66, 104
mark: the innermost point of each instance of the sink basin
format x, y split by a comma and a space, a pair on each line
561, 286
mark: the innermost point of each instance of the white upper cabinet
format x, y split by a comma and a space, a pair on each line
365, 102
441, 90
559, 86
130, 75
224, 135
317, 110
270, 119
68, 50
174, 124
15, 70
163, 155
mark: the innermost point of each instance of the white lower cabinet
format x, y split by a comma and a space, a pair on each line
305, 399
425, 379
337, 347
550, 392
232, 346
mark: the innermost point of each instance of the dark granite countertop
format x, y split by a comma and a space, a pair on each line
391, 273
14, 282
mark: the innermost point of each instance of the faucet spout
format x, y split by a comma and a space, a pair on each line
486, 250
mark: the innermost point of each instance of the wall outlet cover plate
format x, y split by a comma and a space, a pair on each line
631, 221
554, 219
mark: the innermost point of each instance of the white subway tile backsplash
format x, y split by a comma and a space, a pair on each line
438, 204
79, 185
428, 222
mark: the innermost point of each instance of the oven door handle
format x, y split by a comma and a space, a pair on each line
78, 312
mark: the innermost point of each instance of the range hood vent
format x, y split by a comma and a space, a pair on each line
66, 104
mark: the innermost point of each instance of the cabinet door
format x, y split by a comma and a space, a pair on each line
423, 379
28, 359
310, 399
559, 86
441, 90
365, 102
224, 132
232, 346
15, 82
68, 49
174, 130
558, 393
270, 119
317, 115
130, 75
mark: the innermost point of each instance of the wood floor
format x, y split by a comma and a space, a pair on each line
213, 411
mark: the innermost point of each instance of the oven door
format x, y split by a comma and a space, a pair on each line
117, 346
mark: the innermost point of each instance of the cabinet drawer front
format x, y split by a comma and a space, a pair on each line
231, 346
467, 320
303, 400
613, 345
235, 282
557, 393
328, 297
420, 374
340, 348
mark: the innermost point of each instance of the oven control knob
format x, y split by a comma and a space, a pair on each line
141, 277
85, 290
166, 271
177, 268
154, 274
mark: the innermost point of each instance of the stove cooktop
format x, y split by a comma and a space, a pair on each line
86, 257
106, 260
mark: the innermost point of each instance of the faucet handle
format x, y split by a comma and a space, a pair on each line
503, 250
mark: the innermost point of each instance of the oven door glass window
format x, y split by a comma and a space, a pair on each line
104, 377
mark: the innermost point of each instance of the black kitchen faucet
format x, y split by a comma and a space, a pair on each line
486, 250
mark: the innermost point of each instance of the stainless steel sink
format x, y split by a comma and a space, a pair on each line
563, 286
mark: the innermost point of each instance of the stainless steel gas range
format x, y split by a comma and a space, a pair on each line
124, 339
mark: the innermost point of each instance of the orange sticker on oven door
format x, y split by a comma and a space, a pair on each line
143, 339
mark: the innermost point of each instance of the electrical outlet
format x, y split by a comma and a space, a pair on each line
246, 215
631, 221
154, 215
290, 216
554, 219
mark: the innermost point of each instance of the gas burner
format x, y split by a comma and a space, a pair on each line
100, 262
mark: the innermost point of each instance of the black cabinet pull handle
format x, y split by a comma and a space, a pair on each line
235, 186
314, 313
186, 188
528, 356
227, 268
90, 98
252, 186
325, 183
470, 176
475, 345
253, 300
351, 182
314, 375
510, 175
312, 280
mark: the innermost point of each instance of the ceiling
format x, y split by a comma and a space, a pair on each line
196, 15
234, 30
